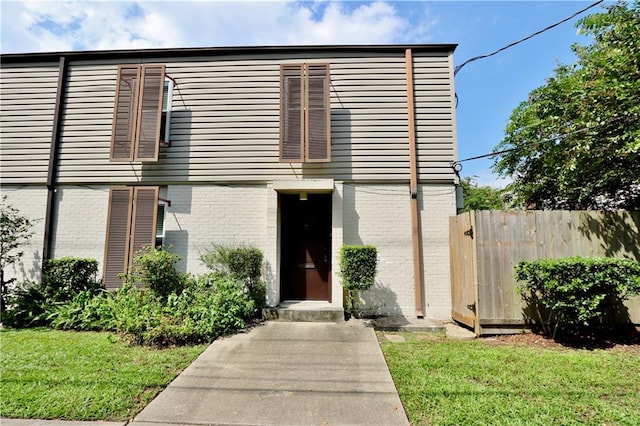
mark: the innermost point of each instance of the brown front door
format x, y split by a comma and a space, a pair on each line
306, 247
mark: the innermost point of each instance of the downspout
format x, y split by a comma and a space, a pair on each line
413, 186
53, 159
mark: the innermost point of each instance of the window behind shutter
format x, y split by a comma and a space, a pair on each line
117, 241
150, 106
292, 113
318, 118
145, 211
124, 114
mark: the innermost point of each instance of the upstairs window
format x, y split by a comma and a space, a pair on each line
305, 113
131, 226
141, 112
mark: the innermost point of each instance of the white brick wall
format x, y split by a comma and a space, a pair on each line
198, 216
437, 202
81, 222
202, 215
31, 203
380, 215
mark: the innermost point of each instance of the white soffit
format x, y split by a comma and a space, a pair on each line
313, 186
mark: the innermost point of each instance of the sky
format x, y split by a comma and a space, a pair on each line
488, 89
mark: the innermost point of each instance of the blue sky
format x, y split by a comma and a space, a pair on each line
488, 89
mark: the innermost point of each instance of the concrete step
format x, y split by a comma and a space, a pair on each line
407, 324
304, 311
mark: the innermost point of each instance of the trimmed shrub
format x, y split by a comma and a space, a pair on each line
358, 270
575, 294
64, 278
240, 263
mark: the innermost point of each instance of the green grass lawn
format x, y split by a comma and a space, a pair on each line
448, 382
47, 374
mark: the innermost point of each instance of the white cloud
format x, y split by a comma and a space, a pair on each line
32, 26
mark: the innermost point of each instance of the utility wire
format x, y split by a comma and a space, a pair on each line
456, 164
475, 58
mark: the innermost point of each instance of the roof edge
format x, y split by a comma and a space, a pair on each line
203, 51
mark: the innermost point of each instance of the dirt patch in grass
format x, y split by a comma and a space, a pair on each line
621, 341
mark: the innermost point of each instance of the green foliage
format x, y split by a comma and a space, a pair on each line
575, 142
576, 293
240, 263
63, 278
26, 306
206, 308
155, 269
443, 381
51, 374
15, 231
30, 304
358, 265
480, 197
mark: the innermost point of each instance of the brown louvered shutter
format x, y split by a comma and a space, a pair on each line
125, 113
291, 113
145, 211
150, 107
318, 114
116, 251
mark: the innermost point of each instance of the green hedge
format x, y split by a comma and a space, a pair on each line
243, 263
576, 293
358, 266
65, 277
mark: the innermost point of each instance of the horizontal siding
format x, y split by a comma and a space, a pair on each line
434, 109
225, 121
28, 96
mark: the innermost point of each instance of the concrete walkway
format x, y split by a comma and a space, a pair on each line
284, 373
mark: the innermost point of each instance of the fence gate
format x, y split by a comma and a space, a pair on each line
487, 245
463, 269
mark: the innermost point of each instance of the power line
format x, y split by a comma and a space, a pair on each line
475, 58
457, 166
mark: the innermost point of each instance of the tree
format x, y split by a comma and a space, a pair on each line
478, 197
575, 142
15, 230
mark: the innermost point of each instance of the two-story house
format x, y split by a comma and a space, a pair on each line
295, 150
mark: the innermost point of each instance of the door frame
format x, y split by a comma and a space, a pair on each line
273, 233
292, 273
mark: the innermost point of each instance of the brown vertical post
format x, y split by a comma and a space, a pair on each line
52, 170
413, 185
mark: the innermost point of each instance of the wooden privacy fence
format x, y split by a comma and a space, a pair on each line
486, 245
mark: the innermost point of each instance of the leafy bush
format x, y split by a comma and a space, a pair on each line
241, 263
15, 231
26, 306
155, 269
31, 304
205, 309
358, 270
576, 293
64, 278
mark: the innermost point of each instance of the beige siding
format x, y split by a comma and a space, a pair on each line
28, 95
435, 109
225, 121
